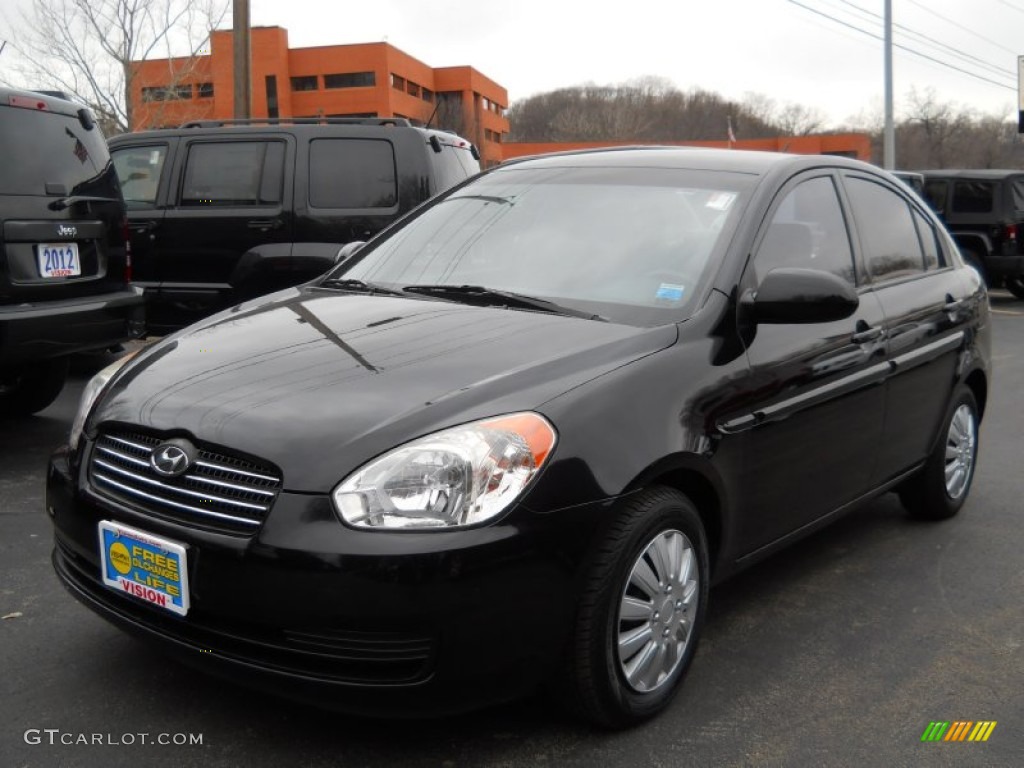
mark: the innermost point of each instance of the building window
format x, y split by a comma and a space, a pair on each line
205, 91
427, 95
167, 92
350, 80
304, 83
412, 89
397, 82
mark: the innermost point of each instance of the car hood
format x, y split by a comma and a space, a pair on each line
320, 382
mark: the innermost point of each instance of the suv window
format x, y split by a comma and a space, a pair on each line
807, 231
74, 158
935, 191
352, 173
973, 196
139, 170
891, 245
453, 165
234, 173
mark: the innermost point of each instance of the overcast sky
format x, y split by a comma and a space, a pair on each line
779, 48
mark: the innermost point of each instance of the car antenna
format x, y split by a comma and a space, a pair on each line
434, 113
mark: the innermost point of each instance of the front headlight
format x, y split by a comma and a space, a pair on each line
91, 393
461, 476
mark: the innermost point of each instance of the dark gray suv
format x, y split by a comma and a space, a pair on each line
64, 267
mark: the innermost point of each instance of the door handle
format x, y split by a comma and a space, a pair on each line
952, 305
264, 225
142, 226
866, 333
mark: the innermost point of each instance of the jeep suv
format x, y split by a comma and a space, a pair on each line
223, 211
63, 265
984, 210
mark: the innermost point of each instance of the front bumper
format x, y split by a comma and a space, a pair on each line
376, 623
44, 329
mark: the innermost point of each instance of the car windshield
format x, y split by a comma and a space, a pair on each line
632, 245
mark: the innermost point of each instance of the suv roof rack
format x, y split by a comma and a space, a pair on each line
396, 121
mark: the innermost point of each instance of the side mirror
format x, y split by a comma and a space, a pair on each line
789, 295
347, 251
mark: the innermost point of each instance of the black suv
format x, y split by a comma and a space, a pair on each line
984, 210
63, 267
222, 211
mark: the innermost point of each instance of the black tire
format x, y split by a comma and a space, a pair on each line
595, 684
32, 388
931, 494
1015, 285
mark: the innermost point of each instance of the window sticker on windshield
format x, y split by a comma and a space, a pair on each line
670, 292
720, 201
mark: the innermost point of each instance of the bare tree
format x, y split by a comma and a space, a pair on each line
85, 48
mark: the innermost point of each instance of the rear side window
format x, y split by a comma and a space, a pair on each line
46, 152
887, 232
352, 173
233, 173
452, 165
973, 196
139, 169
929, 242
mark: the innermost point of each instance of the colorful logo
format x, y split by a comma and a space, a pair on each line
959, 730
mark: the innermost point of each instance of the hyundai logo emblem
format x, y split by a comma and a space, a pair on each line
173, 458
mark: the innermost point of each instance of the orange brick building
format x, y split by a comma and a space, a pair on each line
364, 80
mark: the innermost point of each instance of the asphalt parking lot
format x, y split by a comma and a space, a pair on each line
839, 651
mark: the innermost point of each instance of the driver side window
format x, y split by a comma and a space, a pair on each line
807, 231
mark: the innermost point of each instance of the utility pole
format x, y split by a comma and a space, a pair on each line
889, 133
243, 59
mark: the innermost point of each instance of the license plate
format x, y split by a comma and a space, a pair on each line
147, 567
58, 259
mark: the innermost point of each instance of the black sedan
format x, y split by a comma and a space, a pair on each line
514, 439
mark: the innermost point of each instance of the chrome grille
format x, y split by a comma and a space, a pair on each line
218, 491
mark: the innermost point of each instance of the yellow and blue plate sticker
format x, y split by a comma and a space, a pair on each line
150, 568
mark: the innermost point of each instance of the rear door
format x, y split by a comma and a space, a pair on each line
228, 194
926, 323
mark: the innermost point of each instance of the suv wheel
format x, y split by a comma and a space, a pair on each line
1015, 285
640, 612
31, 389
939, 490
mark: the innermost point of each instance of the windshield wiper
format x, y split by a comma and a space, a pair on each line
492, 297
351, 284
67, 202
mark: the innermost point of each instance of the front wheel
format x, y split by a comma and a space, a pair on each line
939, 490
1015, 285
644, 597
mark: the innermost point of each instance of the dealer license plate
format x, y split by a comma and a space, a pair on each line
58, 259
147, 567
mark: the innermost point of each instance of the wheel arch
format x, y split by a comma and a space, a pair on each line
700, 484
977, 382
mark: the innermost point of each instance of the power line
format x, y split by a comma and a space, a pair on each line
960, 26
904, 47
932, 42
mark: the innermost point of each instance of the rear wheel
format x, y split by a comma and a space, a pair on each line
641, 611
32, 388
939, 490
1015, 285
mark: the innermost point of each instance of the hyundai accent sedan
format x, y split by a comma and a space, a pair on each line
513, 440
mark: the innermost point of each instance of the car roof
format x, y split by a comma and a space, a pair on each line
687, 158
300, 128
52, 103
